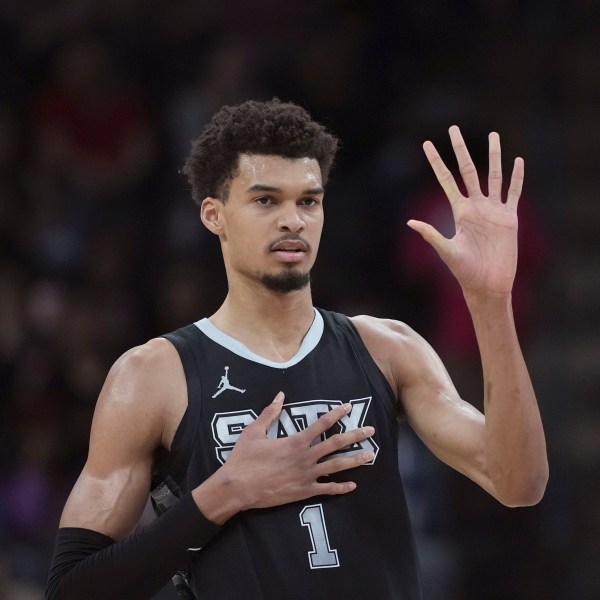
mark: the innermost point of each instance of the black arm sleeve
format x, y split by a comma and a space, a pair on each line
87, 564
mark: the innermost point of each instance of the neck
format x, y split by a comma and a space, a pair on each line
271, 324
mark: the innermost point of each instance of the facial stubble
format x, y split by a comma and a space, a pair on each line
288, 281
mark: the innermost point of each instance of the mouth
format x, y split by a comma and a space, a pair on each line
289, 246
289, 255
289, 250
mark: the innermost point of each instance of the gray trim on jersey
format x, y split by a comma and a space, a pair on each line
309, 343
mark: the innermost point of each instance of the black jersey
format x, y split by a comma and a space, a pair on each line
357, 545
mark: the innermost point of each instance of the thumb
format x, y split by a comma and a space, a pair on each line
269, 413
430, 234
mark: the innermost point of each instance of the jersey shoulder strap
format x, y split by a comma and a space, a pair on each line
187, 342
376, 378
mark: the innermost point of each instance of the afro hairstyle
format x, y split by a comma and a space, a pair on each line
269, 128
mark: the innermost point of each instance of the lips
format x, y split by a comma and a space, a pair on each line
289, 251
289, 246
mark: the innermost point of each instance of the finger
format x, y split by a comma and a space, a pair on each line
332, 488
430, 234
495, 167
442, 172
325, 422
335, 465
516, 183
269, 414
342, 440
465, 163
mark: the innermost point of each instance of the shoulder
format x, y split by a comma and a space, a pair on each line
385, 334
147, 368
396, 348
149, 360
142, 386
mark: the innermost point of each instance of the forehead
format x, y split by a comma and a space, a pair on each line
276, 171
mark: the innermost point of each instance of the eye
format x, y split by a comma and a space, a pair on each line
309, 202
264, 200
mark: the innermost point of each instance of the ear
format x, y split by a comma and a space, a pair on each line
210, 215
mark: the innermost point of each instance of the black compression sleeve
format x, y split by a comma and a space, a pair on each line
87, 564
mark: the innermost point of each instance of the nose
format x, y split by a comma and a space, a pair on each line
290, 219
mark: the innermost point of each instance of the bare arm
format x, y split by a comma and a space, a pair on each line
127, 429
503, 451
499, 451
96, 554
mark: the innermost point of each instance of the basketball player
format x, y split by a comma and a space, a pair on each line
277, 420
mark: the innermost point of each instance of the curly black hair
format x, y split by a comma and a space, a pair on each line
272, 127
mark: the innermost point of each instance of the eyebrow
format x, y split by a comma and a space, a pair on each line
261, 187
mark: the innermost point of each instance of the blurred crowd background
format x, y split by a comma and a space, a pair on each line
102, 247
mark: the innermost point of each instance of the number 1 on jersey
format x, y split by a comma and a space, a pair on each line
322, 556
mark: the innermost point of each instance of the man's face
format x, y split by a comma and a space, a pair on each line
271, 222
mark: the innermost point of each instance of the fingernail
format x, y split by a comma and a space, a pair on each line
351, 485
278, 397
369, 430
367, 456
346, 407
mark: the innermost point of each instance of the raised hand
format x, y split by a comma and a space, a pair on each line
482, 255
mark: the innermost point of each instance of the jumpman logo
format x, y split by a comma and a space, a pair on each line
225, 385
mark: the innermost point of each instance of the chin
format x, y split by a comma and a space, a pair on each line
288, 281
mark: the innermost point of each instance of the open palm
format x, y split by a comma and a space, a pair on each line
482, 255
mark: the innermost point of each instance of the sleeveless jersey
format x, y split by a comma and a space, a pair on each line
357, 545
